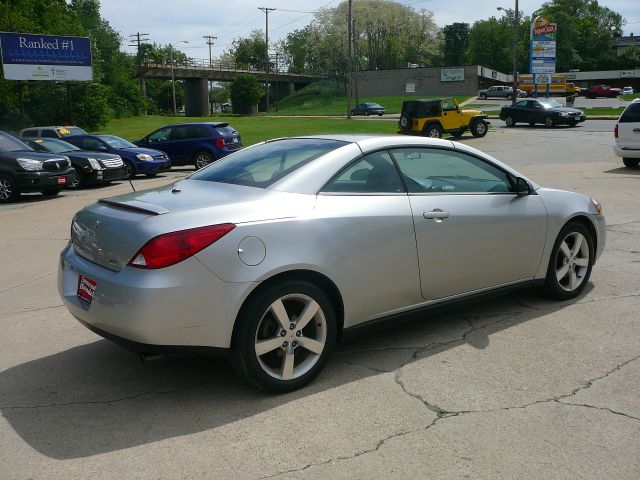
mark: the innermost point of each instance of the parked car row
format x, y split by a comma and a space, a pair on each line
50, 158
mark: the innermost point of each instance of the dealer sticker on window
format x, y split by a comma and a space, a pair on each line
86, 289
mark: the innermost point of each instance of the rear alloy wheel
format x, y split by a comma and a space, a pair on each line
479, 128
483, 97
78, 180
510, 121
570, 263
202, 159
433, 131
283, 336
366, 113
509, 97
549, 122
8, 189
631, 162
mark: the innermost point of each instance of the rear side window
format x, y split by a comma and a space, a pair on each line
263, 165
225, 130
30, 133
631, 113
49, 134
91, 143
373, 173
197, 131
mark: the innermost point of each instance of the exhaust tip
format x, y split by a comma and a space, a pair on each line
150, 357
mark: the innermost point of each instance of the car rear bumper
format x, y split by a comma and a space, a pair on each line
626, 152
35, 181
184, 305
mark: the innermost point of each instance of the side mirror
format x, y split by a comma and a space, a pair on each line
522, 187
143, 140
101, 148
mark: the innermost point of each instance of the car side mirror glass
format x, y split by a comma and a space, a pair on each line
101, 148
522, 187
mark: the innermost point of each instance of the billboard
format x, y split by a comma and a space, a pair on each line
452, 74
45, 57
543, 46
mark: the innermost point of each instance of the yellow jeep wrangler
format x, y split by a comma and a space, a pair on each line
434, 117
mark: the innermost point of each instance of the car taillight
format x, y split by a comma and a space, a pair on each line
171, 248
219, 142
615, 132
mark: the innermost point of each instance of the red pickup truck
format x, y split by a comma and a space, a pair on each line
602, 91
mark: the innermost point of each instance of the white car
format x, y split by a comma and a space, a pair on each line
627, 135
627, 91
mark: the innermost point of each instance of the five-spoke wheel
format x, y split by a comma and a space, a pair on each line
283, 336
570, 263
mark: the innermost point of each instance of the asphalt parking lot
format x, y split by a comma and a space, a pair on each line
516, 387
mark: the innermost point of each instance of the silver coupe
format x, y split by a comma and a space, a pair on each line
276, 252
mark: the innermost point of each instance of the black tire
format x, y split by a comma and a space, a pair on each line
483, 97
257, 321
9, 191
510, 121
51, 191
366, 113
379, 114
549, 122
78, 181
432, 130
479, 128
202, 159
129, 170
631, 162
555, 288
405, 122
509, 97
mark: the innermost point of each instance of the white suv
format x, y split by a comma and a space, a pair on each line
627, 135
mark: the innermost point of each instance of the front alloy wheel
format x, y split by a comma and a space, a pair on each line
283, 336
549, 122
570, 263
509, 121
8, 190
202, 159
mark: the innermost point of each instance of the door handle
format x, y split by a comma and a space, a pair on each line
436, 214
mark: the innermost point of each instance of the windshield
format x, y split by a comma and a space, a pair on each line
56, 146
117, 142
263, 165
548, 103
11, 144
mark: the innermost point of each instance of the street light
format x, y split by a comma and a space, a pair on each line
516, 25
173, 80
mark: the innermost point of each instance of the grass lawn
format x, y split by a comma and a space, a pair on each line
252, 129
631, 97
602, 111
325, 104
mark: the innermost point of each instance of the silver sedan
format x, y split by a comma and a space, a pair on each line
276, 252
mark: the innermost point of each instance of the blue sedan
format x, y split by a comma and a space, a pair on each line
136, 159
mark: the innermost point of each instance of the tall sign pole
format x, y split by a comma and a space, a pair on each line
516, 28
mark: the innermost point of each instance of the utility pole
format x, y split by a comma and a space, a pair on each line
266, 11
350, 61
277, 83
355, 66
516, 27
210, 40
138, 39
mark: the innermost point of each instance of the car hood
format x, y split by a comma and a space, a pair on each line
33, 155
112, 230
472, 112
88, 154
137, 150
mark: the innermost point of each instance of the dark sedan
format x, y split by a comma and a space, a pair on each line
546, 111
136, 159
368, 109
91, 167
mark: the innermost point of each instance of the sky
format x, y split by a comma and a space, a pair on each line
188, 20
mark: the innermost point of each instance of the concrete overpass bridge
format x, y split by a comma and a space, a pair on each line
197, 73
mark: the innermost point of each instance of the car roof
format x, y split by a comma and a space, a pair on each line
212, 124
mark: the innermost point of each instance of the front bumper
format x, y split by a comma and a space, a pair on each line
153, 167
36, 181
184, 305
105, 176
626, 152
601, 230
570, 120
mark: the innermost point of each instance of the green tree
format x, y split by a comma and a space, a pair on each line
456, 41
245, 92
251, 51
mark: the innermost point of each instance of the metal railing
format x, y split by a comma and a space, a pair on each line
217, 65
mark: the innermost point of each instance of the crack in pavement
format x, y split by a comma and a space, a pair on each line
28, 310
442, 414
27, 282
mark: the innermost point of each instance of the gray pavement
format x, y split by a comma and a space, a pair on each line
517, 387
